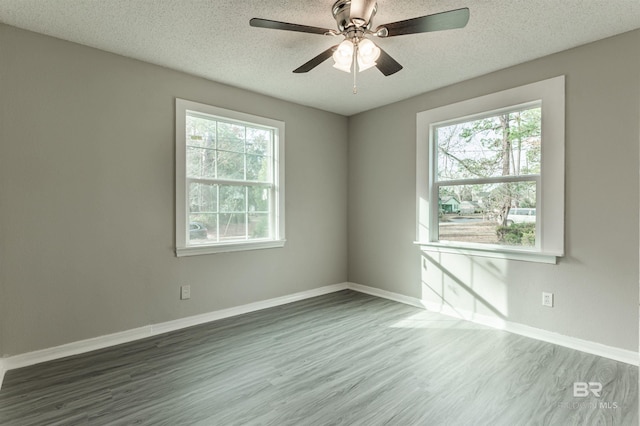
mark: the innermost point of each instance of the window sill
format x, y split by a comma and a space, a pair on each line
498, 253
228, 247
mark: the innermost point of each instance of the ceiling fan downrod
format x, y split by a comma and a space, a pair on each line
357, 14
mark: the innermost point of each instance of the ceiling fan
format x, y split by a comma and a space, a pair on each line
355, 22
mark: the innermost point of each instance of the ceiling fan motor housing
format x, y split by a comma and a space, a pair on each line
342, 14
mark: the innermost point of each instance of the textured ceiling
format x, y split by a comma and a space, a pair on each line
213, 39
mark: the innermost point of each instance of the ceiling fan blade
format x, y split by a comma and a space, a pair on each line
437, 22
386, 64
308, 66
277, 25
362, 9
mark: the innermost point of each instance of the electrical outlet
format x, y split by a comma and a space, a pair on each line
547, 299
185, 292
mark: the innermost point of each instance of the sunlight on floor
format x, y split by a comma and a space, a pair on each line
433, 320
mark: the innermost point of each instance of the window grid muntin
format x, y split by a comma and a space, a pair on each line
268, 183
433, 132
435, 227
436, 183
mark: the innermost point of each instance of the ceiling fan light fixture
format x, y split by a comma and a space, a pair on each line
342, 67
365, 65
343, 56
368, 54
368, 50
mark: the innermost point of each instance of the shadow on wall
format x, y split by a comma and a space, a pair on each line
468, 287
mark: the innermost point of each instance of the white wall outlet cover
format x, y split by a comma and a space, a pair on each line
185, 292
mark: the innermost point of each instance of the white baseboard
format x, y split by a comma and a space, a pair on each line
181, 323
101, 342
622, 355
88, 345
397, 297
75, 348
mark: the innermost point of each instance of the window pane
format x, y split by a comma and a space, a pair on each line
227, 187
502, 145
258, 168
231, 137
259, 225
232, 199
233, 226
258, 141
501, 213
203, 198
202, 228
258, 199
201, 131
230, 165
200, 162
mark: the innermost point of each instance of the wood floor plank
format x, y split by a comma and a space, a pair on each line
340, 359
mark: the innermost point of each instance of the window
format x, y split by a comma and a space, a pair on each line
491, 174
229, 180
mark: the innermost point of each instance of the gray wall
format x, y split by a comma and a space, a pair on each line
596, 283
87, 197
87, 200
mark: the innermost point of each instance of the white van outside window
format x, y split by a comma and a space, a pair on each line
521, 215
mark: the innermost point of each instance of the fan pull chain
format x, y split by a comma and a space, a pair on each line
355, 87
355, 68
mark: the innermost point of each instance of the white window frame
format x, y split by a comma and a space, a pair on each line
277, 223
550, 94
